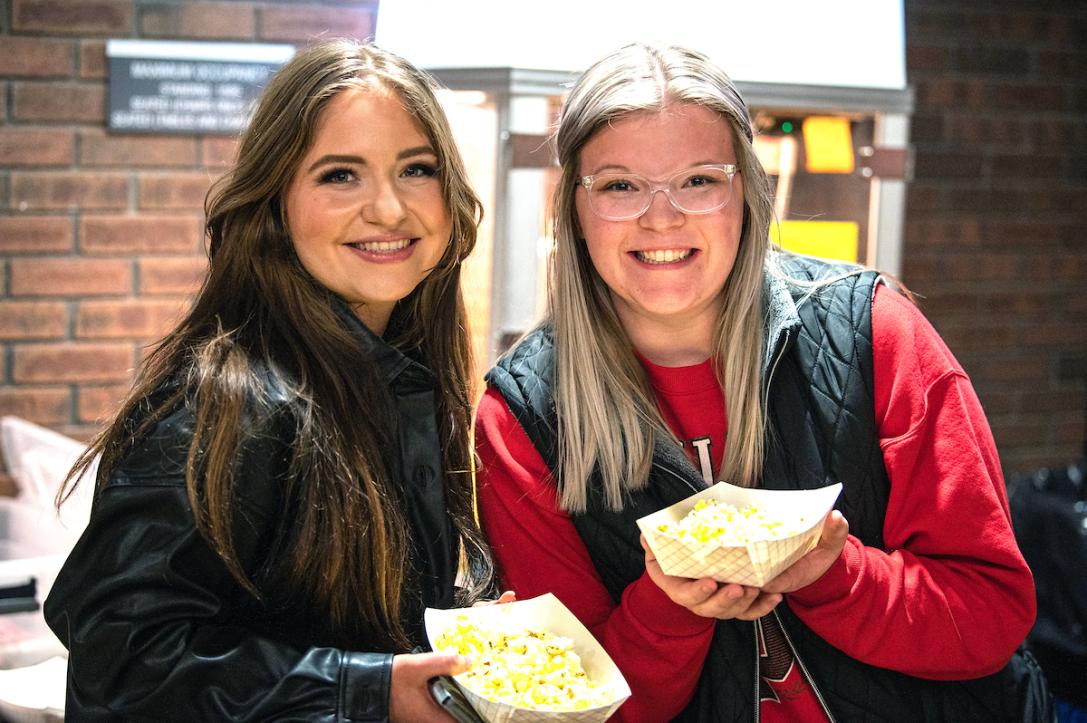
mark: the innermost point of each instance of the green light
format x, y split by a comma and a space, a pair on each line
787, 127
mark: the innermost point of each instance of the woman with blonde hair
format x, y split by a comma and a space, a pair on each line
288, 484
680, 349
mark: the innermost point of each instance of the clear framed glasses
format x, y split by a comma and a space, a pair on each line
623, 196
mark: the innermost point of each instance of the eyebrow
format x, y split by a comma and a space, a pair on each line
624, 169
359, 160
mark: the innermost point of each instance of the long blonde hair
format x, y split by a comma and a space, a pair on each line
345, 545
607, 418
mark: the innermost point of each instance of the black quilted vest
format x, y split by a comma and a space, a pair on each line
822, 429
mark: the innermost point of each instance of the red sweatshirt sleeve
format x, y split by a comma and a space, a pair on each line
951, 597
658, 645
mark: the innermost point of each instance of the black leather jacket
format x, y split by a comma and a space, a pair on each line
158, 629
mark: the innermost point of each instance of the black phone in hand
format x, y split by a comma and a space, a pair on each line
452, 700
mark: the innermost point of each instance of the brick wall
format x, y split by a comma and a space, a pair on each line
997, 211
100, 234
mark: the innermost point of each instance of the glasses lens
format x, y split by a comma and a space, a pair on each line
701, 190
618, 196
621, 196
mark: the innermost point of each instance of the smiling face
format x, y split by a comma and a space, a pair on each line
665, 269
365, 209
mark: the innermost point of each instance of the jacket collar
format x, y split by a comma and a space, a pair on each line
392, 362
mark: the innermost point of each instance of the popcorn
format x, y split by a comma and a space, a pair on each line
716, 521
737, 534
533, 661
527, 668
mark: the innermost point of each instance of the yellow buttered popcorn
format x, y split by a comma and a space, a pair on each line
524, 668
714, 521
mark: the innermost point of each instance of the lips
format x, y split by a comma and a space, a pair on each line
383, 246
663, 256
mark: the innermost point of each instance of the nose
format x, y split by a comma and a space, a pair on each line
384, 207
662, 213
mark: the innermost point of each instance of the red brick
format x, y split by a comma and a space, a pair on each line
41, 405
70, 277
62, 190
985, 128
36, 234
922, 58
950, 93
926, 128
1044, 334
96, 148
1013, 234
72, 362
171, 276
991, 61
218, 151
139, 235
1026, 166
35, 58
33, 319
199, 20
73, 17
1062, 64
1007, 368
1019, 432
129, 318
1026, 97
975, 338
1070, 435
59, 102
100, 403
80, 432
36, 147
303, 22
947, 165
173, 191
92, 60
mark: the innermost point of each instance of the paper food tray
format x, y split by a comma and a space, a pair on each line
545, 612
755, 563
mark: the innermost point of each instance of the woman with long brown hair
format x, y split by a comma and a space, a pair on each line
288, 484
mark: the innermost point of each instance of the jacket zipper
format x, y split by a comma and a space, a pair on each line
784, 632
804, 669
758, 700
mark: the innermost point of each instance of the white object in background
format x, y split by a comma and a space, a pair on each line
34, 541
31, 694
842, 43
39, 460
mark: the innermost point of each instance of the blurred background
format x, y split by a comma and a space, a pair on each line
942, 141
100, 229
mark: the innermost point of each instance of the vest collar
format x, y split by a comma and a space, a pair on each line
780, 316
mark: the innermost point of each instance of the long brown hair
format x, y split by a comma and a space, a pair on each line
259, 313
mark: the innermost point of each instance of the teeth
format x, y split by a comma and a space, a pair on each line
663, 256
385, 246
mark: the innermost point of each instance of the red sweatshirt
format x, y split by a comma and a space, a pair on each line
950, 598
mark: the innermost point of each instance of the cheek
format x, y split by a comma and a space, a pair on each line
297, 212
